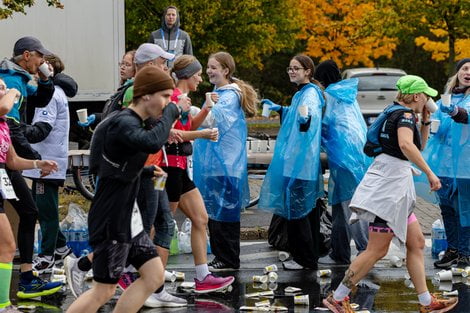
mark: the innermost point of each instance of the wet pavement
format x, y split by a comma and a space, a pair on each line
384, 290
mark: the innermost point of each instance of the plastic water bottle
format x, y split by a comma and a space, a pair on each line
174, 246
438, 238
37, 239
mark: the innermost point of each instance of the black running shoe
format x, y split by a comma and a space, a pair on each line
450, 257
463, 261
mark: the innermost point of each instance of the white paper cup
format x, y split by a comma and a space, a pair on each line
170, 276
283, 255
324, 273
266, 110
301, 300
260, 278
82, 115
303, 110
431, 105
445, 286
272, 286
160, 182
454, 293
444, 276
44, 68
446, 99
270, 268
434, 128
272, 277
215, 140
209, 102
395, 261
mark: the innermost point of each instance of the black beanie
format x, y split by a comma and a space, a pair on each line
461, 63
327, 72
151, 79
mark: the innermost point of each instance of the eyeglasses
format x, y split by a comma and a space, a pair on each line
294, 69
125, 64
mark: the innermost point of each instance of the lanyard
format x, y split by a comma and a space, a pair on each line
164, 42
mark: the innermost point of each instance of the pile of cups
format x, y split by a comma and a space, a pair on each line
269, 276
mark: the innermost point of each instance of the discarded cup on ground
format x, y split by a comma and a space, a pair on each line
82, 115
263, 303
179, 276
260, 278
291, 289
272, 286
431, 105
453, 293
217, 139
446, 99
324, 273
58, 271
445, 286
409, 283
444, 275
266, 110
457, 271
442, 253
301, 300
160, 182
324, 281
434, 128
283, 255
303, 110
59, 278
395, 261
209, 102
263, 286
272, 277
170, 276
270, 268
44, 68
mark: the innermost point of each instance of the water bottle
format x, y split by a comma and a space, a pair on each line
174, 246
37, 239
438, 238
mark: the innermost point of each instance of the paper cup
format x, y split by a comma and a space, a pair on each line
159, 182
270, 268
283, 255
272, 286
445, 286
301, 300
209, 102
457, 271
170, 276
446, 99
272, 277
82, 115
44, 68
303, 110
263, 303
431, 105
395, 261
263, 286
444, 276
324, 273
434, 128
215, 140
260, 278
454, 293
266, 110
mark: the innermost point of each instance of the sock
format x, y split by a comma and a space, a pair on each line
202, 270
425, 298
341, 292
27, 277
84, 264
160, 289
5, 280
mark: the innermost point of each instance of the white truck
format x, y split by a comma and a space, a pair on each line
88, 35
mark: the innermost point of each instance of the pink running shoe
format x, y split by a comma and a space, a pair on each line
126, 280
213, 283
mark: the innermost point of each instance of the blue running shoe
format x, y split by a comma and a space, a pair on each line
37, 288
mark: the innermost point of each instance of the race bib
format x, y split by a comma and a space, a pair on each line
136, 221
189, 166
6, 186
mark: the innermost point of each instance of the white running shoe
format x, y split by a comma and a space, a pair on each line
75, 276
164, 300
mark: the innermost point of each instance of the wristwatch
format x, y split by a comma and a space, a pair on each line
426, 123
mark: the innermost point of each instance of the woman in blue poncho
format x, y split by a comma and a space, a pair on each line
294, 182
343, 137
448, 155
220, 168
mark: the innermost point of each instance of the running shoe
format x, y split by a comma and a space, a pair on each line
60, 254
43, 264
75, 276
450, 257
37, 288
219, 266
212, 283
463, 261
338, 306
164, 300
127, 279
439, 305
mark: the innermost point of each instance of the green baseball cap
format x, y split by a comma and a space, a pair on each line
411, 84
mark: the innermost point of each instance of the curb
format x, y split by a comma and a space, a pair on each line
254, 233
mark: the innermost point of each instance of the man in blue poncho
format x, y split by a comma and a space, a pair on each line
343, 137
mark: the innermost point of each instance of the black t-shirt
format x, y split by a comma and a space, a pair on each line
389, 137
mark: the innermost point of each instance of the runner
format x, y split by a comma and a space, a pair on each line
116, 231
386, 197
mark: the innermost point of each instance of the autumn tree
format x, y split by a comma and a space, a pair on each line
340, 30
8, 7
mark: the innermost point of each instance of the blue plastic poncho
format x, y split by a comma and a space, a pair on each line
344, 133
220, 168
448, 154
294, 182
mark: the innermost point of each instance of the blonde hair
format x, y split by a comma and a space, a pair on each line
451, 84
406, 98
249, 96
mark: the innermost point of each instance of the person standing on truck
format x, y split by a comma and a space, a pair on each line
17, 72
115, 225
55, 147
171, 37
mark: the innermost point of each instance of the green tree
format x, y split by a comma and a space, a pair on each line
8, 7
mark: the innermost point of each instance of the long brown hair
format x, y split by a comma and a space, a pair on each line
307, 63
249, 96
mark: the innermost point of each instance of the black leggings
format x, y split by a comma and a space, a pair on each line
28, 213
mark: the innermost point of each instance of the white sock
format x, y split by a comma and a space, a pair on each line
425, 298
341, 292
202, 270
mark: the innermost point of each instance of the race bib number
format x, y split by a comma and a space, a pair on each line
189, 167
6, 186
136, 221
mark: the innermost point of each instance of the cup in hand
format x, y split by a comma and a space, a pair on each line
160, 182
431, 106
217, 130
303, 110
435, 126
82, 115
445, 99
209, 102
266, 110
44, 68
